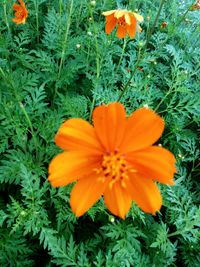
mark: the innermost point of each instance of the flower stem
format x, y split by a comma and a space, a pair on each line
133, 73
122, 54
36, 19
60, 7
65, 39
97, 62
155, 22
6, 19
64, 43
141, 55
180, 232
163, 99
184, 14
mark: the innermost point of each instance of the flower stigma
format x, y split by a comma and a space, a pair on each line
115, 168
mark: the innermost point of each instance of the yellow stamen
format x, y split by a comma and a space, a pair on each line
114, 167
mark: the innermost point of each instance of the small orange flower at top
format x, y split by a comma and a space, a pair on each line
115, 157
126, 21
21, 13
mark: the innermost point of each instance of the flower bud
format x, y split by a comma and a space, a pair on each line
93, 3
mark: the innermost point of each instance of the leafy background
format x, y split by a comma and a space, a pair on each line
59, 65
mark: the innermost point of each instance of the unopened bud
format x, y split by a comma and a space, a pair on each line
140, 44
93, 3
23, 213
163, 25
112, 219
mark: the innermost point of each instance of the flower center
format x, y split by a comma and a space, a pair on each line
121, 21
115, 167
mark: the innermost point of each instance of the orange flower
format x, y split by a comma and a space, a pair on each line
114, 158
21, 13
126, 22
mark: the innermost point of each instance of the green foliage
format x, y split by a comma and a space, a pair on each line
52, 68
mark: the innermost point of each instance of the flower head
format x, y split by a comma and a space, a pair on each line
196, 6
126, 21
114, 158
21, 13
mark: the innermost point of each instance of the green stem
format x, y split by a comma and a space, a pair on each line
91, 109
60, 8
64, 45
97, 61
163, 99
21, 107
154, 23
179, 232
6, 19
175, 25
122, 54
96, 44
133, 73
65, 39
141, 55
36, 19
60, 14
184, 15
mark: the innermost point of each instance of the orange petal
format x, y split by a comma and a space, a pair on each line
109, 123
76, 134
117, 200
19, 20
68, 167
145, 193
144, 127
110, 25
109, 18
107, 13
85, 194
121, 31
155, 163
131, 29
22, 3
16, 7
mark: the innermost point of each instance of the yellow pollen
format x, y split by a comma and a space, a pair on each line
114, 167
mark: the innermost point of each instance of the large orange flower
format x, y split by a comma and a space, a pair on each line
21, 13
126, 21
114, 158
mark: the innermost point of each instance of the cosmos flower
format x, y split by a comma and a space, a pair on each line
126, 21
115, 158
21, 13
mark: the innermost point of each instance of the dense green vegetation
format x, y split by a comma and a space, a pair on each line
59, 65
